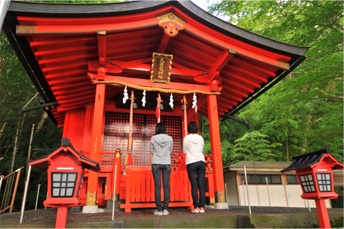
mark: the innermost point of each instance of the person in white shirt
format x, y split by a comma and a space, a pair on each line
193, 145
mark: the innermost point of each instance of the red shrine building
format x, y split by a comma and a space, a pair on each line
108, 73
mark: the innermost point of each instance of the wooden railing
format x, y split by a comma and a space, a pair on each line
139, 188
135, 184
8, 190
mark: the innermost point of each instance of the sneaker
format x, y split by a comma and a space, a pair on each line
165, 212
195, 210
201, 210
157, 212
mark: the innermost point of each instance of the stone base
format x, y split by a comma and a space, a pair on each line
75, 209
221, 206
109, 205
90, 209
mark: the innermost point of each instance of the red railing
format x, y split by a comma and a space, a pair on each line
135, 184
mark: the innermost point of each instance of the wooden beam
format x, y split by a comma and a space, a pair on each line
71, 73
72, 100
61, 89
214, 71
85, 28
67, 59
101, 38
55, 69
117, 67
259, 69
248, 74
245, 51
232, 96
77, 95
241, 79
144, 84
163, 43
226, 100
237, 92
244, 88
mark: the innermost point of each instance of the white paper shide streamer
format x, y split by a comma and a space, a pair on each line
194, 102
143, 100
125, 95
171, 101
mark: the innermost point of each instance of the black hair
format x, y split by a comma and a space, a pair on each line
160, 128
192, 127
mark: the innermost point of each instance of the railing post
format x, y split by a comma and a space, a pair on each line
15, 188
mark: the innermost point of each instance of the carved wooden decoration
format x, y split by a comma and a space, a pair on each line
171, 24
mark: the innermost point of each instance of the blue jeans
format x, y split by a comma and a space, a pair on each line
165, 170
196, 173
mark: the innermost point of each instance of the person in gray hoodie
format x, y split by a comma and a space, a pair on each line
193, 145
161, 146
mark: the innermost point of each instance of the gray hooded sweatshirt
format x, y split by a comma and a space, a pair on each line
161, 147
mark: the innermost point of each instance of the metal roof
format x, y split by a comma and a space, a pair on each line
310, 159
257, 166
56, 43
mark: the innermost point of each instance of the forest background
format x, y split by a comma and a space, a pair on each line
302, 113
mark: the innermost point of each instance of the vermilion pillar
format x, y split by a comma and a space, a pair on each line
97, 125
323, 218
61, 217
215, 142
96, 143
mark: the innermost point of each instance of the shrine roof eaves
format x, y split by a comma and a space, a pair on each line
269, 61
92, 10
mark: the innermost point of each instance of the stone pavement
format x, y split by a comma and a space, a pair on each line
234, 217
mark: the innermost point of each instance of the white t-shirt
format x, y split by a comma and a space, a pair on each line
193, 145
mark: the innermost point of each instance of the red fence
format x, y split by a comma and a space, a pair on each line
139, 188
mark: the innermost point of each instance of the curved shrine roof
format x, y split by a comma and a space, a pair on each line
62, 47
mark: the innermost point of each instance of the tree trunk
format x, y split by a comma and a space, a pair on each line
287, 146
41, 122
15, 148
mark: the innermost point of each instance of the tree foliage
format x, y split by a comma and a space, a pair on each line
254, 146
304, 112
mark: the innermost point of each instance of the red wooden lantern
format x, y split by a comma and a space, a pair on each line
315, 175
65, 172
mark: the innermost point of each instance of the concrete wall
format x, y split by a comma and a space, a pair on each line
275, 195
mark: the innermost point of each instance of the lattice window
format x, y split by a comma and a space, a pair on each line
63, 184
307, 183
324, 182
117, 130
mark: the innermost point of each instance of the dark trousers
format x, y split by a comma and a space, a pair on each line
163, 171
196, 173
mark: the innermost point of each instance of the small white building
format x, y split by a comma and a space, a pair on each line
267, 186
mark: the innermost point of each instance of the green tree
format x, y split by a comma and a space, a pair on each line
304, 112
16, 92
254, 146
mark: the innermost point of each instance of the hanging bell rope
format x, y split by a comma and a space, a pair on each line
184, 102
157, 111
